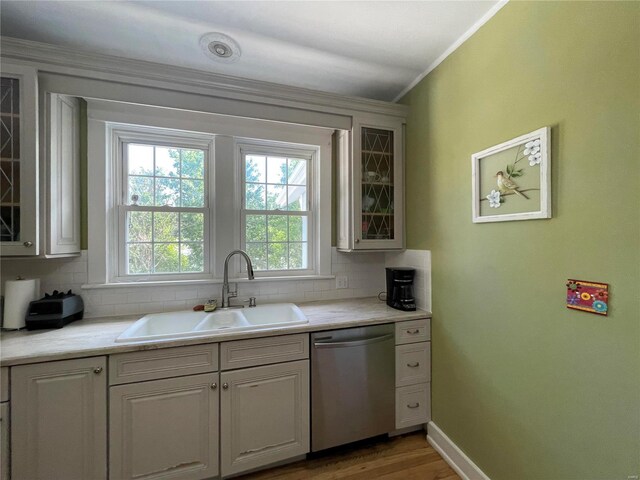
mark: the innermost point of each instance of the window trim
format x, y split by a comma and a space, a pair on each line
223, 132
310, 153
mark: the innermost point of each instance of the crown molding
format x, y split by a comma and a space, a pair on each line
63, 60
454, 46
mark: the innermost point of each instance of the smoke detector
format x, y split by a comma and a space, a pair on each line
220, 47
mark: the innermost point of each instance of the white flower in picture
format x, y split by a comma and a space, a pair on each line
532, 147
535, 159
494, 199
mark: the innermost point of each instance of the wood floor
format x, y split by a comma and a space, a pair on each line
400, 458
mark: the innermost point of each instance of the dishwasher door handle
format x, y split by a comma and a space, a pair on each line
353, 343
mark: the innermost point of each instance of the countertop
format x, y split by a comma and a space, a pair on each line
96, 336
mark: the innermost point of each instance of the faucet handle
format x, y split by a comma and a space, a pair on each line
234, 292
252, 302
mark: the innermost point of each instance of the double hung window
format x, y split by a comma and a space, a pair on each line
276, 215
164, 213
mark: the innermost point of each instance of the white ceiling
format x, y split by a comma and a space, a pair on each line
372, 49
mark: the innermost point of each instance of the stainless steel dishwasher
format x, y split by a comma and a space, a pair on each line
352, 385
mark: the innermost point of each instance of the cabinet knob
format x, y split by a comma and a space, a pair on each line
225, 386
214, 386
97, 370
413, 405
357, 240
28, 244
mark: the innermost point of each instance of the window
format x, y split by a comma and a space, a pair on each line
164, 214
182, 189
276, 214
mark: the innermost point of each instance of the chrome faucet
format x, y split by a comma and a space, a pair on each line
226, 294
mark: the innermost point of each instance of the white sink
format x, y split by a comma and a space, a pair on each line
157, 326
275, 314
223, 319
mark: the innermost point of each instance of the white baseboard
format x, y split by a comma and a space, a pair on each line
455, 457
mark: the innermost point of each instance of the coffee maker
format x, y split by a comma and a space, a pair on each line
400, 288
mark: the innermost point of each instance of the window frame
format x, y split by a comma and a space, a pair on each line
123, 136
282, 149
108, 119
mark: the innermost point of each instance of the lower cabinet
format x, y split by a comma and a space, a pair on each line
59, 420
265, 415
164, 429
4, 441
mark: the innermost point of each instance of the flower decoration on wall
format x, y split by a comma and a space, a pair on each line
532, 151
589, 297
494, 199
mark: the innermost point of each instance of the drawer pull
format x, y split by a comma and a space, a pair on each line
97, 370
414, 331
413, 365
413, 405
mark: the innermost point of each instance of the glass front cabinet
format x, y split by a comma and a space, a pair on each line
18, 161
370, 185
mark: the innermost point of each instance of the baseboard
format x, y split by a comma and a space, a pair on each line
455, 457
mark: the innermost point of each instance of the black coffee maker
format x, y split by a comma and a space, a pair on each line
400, 288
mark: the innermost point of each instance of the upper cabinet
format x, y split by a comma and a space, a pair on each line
39, 187
371, 185
63, 175
19, 222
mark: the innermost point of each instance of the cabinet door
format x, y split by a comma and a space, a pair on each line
265, 415
59, 420
4, 441
378, 200
18, 160
63, 175
164, 429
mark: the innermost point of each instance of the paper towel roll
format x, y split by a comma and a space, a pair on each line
17, 295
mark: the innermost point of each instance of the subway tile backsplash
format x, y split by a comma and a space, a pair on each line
364, 272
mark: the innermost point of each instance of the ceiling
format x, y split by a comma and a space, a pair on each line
371, 49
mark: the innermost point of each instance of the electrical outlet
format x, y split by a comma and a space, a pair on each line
342, 282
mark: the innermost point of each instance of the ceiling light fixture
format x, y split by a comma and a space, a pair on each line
220, 47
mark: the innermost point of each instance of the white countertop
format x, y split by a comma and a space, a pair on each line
96, 336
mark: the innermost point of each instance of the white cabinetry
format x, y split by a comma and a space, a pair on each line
59, 420
164, 414
413, 373
39, 187
164, 428
4, 423
371, 185
62, 228
19, 222
264, 409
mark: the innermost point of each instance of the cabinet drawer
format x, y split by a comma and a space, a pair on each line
4, 384
413, 331
413, 405
413, 363
263, 351
162, 363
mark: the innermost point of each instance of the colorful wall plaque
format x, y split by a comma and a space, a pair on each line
589, 297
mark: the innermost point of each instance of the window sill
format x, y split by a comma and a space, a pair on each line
204, 281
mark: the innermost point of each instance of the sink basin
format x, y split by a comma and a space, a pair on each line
157, 326
275, 314
223, 319
162, 325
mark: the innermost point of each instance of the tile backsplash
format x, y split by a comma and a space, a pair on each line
364, 272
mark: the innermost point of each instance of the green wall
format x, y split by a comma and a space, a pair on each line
527, 388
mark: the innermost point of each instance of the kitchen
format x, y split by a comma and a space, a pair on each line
356, 199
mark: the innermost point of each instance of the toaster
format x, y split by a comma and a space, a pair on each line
54, 310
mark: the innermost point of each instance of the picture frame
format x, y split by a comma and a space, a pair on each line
512, 180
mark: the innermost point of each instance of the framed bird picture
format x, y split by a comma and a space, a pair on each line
512, 181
